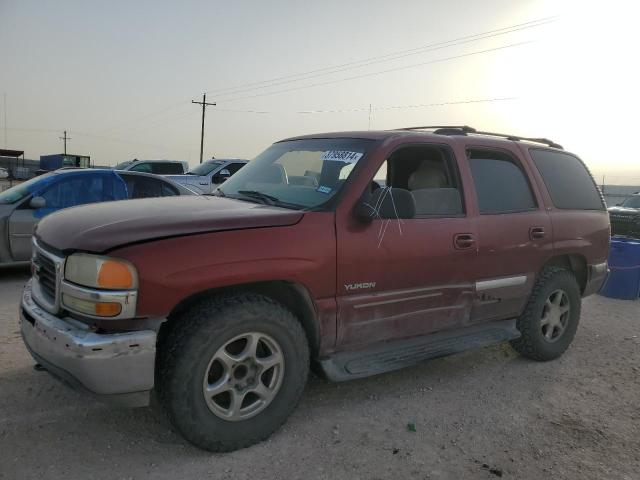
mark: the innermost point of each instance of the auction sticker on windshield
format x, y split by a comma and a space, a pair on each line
341, 156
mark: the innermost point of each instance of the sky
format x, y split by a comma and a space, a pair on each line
119, 76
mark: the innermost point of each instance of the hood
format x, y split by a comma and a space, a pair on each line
103, 226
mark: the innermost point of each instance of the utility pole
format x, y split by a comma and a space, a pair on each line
64, 139
369, 116
5, 120
204, 106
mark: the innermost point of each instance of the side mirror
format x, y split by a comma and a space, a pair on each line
386, 203
37, 202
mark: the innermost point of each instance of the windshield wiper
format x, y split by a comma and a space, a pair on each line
265, 197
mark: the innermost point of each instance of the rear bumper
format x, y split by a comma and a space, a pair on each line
117, 367
596, 277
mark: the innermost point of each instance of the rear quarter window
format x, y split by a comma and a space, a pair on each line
568, 181
173, 168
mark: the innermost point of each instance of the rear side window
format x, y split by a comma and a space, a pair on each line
568, 181
501, 185
142, 167
168, 168
234, 167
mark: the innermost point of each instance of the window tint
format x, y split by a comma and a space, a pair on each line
167, 168
568, 181
79, 190
501, 185
234, 167
144, 187
429, 174
168, 190
142, 167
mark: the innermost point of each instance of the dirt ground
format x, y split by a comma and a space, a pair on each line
479, 415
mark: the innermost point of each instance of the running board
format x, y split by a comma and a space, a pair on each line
389, 356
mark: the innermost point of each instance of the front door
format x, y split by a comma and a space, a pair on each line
403, 278
21, 225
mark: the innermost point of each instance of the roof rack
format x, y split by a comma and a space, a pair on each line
465, 129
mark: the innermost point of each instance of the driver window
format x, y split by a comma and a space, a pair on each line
429, 174
77, 190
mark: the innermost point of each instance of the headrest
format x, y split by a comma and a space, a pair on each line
428, 175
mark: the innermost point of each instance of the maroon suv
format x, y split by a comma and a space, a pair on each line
357, 252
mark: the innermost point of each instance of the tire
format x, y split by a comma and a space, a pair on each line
199, 345
543, 339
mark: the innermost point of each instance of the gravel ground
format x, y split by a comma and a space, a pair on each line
482, 414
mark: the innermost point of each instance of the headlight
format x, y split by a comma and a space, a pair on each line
100, 272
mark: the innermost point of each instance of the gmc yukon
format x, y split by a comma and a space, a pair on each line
356, 253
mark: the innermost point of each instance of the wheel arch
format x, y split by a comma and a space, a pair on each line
293, 296
575, 263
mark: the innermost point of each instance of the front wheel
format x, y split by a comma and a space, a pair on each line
231, 370
550, 319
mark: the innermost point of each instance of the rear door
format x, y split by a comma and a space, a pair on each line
402, 278
515, 236
146, 186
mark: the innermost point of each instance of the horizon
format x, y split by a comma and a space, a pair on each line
120, 78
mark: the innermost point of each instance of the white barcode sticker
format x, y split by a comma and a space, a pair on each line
341, 156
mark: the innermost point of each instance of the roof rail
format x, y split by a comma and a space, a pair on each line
465, 129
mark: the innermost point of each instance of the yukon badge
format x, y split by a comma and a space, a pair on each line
359, 286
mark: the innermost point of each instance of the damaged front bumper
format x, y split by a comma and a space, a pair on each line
117, 367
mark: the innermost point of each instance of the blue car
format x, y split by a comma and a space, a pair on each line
22, 206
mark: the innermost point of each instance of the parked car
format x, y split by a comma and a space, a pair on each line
207, 176
24, 205
220, 303
159, 167
625, 217
4, 173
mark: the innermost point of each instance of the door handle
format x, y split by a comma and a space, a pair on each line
464, 241
536, 233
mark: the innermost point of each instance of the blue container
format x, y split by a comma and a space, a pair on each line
624, 262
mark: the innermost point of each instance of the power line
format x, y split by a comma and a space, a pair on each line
400, 107
329, 70
389, 56
381, 72
99, 137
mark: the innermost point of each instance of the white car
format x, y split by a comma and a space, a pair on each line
207, 176
4, 173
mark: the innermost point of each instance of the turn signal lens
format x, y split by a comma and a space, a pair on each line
114, 274
100, 309
107, 309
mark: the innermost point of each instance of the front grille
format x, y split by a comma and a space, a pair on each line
625, 224
46, 275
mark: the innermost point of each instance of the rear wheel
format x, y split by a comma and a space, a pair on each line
231, 370
550, 319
